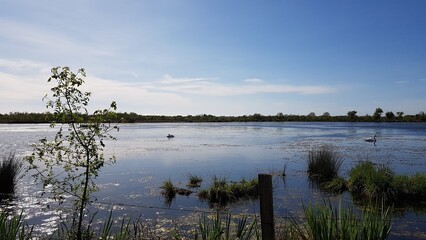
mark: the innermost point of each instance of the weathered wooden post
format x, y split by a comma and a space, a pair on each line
266, 206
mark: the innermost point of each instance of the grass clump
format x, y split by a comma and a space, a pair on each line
10, 168
323, 163
13, 228
168, 191
326, 222
337, 185
194, 181
410, 187
224, 227
370, 182
221, 192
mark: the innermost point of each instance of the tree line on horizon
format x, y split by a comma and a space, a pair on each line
378, 116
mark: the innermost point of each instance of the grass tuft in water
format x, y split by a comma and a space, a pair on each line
10, 168
369, 182
323, 163
221, 192
194, 181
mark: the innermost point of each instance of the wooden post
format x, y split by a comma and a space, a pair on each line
266, 206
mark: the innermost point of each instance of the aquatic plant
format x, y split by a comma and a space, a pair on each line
10, 167
168, 190
410, 187
221, 192
337, 185
194, 181
323, 163
369, 182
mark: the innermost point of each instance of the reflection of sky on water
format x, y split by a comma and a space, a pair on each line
145, 157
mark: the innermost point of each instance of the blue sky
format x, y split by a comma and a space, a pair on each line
219, 57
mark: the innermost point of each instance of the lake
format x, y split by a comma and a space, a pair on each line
146, 157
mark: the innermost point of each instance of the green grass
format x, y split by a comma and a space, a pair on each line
337, 185
323, 163
221, 192
368, 182
168, 191
10, 168
326, 222
13, 227
194, 181
225, 227
412, 188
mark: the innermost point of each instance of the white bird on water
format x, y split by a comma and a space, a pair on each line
373, 139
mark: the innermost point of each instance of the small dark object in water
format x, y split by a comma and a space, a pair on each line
170, 136
182, 191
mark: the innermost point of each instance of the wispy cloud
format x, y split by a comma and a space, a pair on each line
254, 80
204, 86
41, 39
401, 81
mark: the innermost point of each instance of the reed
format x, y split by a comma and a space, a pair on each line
326, 222
14, 227
323, 163
225, 228
10, 167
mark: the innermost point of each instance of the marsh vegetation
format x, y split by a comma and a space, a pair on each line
10, 169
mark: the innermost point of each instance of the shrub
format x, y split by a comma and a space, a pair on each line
10, 168
323, 163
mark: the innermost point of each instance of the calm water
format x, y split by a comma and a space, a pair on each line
145, 157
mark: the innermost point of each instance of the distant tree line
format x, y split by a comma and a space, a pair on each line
378, 116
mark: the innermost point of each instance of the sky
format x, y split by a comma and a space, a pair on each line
219, 57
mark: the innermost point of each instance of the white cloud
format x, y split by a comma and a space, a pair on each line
254, 80
202, 86
23, 84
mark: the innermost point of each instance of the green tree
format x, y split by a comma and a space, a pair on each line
326, 114
390, 115
352, 114
72, 160
400, 114
377, 114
